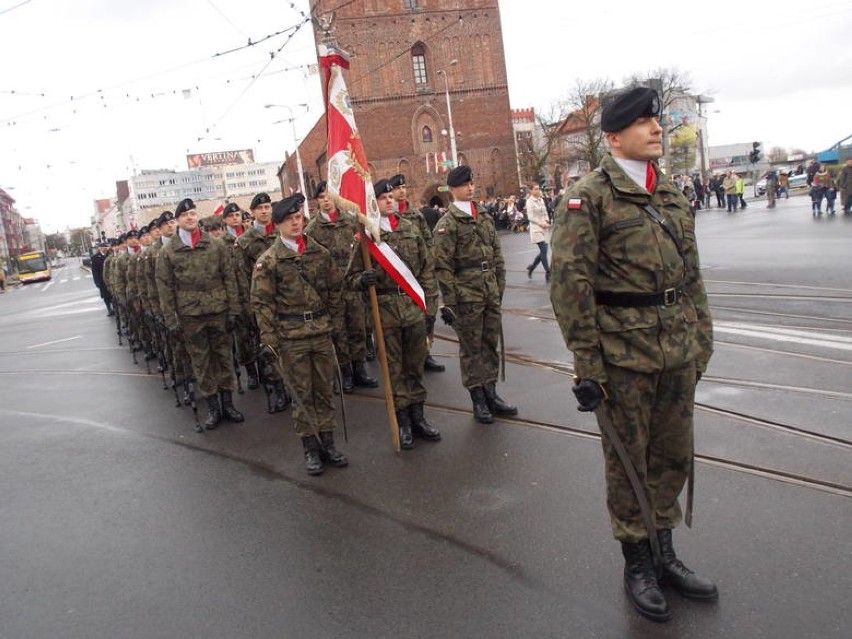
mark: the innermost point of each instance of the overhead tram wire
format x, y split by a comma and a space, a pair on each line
96, 92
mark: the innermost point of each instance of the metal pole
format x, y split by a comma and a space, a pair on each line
453, 151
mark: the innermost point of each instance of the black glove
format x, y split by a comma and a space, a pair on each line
589, 395
231, 322
266, 355
368, 278
447, 315
430, 324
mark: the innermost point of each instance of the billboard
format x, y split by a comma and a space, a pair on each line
243, 156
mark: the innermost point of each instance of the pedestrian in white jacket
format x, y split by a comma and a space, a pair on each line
539, 229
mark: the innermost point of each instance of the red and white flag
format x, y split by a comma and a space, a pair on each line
349, 174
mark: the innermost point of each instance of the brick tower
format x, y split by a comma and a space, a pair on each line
405, 56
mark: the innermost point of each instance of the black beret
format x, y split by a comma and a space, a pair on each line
622, 109
184, 206
397, 180
165, 216
232, 207
260, 198
113, 241
122, 238
287, 206
381, 187
131, 233
459, 176
212, 222
103, 244
246, 216
143, 230
321, 188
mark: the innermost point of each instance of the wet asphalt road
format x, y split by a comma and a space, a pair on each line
119, 521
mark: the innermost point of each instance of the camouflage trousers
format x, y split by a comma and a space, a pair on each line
208, 344
180, 360
245, 340
352, 346
308, 365
477, 325
406, 349
652, 415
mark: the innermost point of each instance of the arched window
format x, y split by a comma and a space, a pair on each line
418, 62
427, 135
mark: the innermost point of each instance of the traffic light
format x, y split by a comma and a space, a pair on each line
754, 156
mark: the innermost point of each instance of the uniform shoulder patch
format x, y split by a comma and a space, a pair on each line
575, 203
258, 266
441, 230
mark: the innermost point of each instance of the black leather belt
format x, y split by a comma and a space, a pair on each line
396, 290
667, 298
308, 316
483, 266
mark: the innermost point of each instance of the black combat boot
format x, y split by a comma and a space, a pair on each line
419, 426
214, 412
432, 366
329, 454
406, 437
253, 377
640, 581
282, 397
228, 411
681, 578
361, 378
495, 403
480, 406
346, 378
313, 461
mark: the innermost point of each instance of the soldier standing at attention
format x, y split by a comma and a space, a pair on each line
401, 207
296, 297
247, 250
246, 351
198, 296
403, 322
631, 304
472, 276
98, 261
336, 233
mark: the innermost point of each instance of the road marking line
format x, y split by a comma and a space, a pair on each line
47, 286
76, 278
56, 341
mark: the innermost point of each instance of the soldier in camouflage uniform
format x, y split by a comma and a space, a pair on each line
336, 232
401, 207
247, 250
124, 290
180, 362
198, 296
244, 340
631, 304
404, 325
472, 276
296, 298
136, 270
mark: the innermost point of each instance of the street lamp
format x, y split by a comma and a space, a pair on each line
292, 121
453, 151
702, 138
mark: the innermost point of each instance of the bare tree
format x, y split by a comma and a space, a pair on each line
536, 148
777, 154
581, 142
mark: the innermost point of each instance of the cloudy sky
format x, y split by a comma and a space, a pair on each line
93, 90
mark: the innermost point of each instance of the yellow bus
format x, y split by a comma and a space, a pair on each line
33, 267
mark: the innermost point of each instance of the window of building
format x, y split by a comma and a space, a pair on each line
409, 4
418, 61
427, 134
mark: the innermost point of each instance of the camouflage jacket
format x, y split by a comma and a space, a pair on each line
247, 250
468, 258
149, 276
195, 281
409, 245
140, 260
604, 241
338, 237
286, 285
120, 277
109, 263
